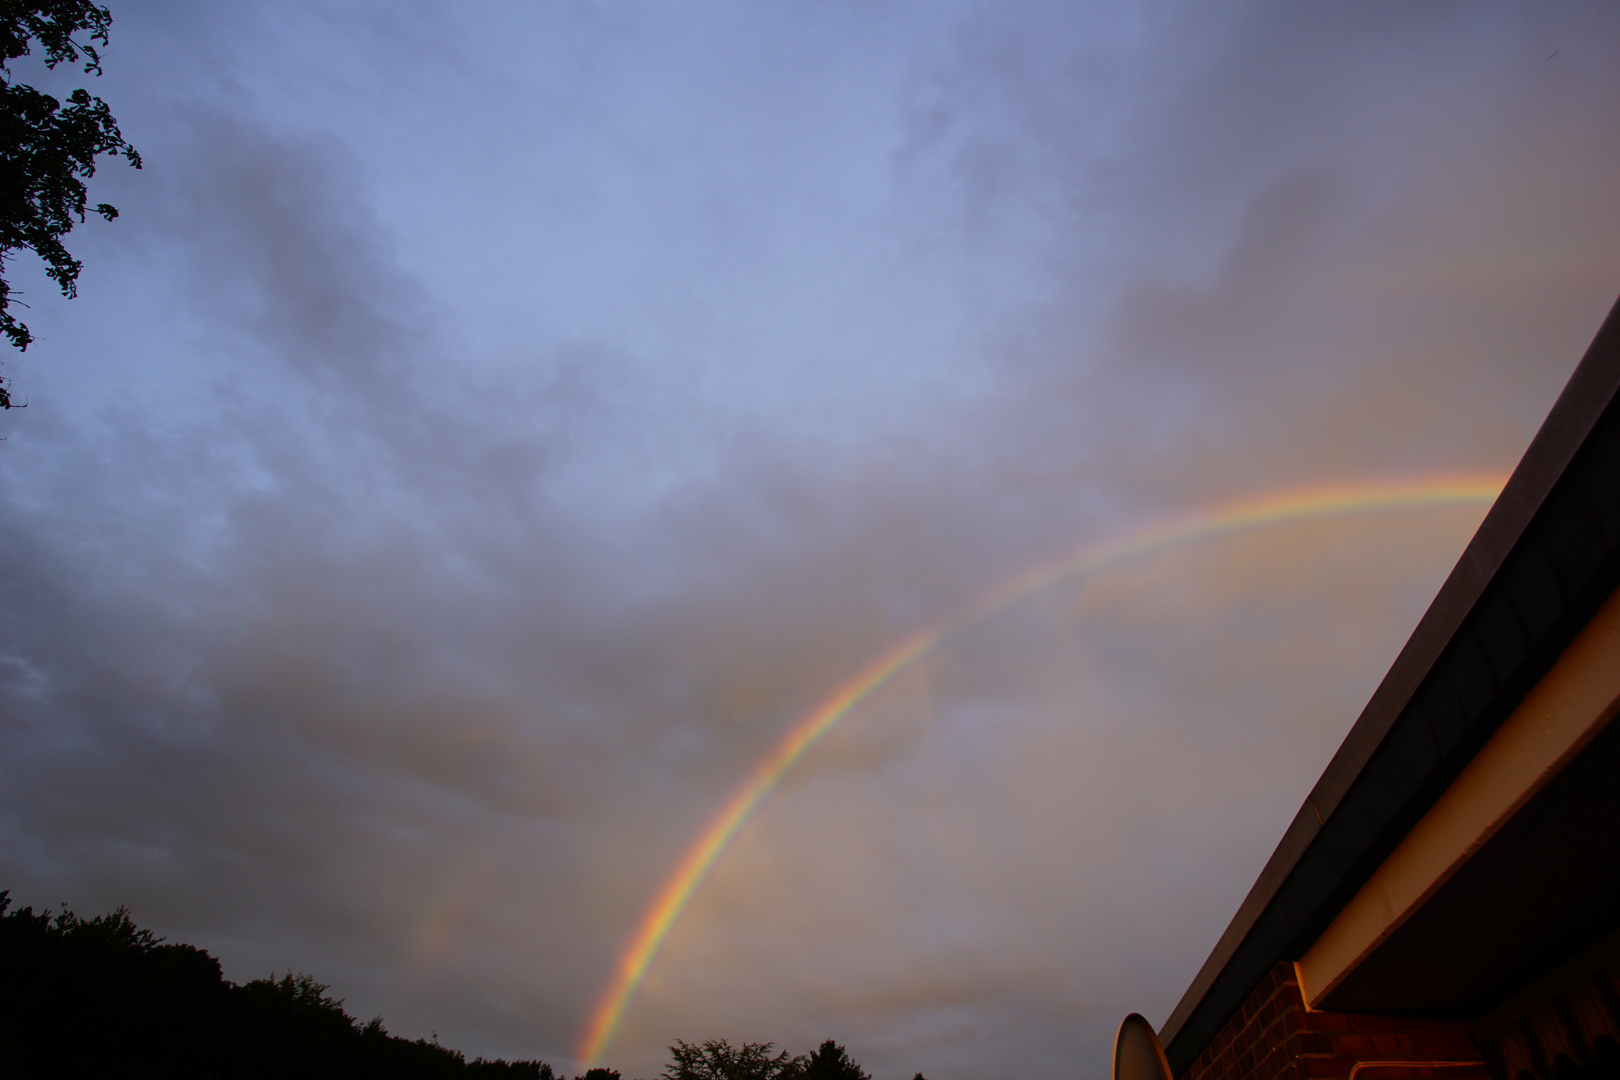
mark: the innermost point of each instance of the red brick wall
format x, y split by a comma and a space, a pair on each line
1273, 1037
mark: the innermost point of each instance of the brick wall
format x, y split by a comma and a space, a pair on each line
1273, 1037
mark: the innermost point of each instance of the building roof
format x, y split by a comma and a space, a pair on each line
1544, 560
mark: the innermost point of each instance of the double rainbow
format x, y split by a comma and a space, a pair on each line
1274, 508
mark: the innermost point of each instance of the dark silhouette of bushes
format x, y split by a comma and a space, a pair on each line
717, 1059
831, 1061
102, 997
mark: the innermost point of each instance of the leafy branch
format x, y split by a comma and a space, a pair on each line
48, 148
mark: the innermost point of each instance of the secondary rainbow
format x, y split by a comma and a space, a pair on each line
1271, 508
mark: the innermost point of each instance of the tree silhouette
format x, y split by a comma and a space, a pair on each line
717, 1059
103, 997
48, 148
831, 1061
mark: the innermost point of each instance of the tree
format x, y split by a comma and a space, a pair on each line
717, 1059
48, 148
103, 997
832, 1062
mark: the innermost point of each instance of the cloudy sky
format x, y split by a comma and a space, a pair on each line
490, 427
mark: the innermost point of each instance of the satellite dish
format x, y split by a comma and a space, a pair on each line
1137, 1053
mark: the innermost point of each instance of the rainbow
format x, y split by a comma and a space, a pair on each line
1273, 508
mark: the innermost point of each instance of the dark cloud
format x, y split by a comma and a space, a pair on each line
457, 475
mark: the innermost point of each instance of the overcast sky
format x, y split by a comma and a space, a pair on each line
489, 427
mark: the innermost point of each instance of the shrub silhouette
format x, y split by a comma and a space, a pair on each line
831, 1061
717, 1059
103, 997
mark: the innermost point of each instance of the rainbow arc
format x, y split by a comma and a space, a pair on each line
1268, 509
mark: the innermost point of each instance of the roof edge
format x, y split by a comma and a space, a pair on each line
1578, 409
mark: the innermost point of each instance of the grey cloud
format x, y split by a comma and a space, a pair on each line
444, 572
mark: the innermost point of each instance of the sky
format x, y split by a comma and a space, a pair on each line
489, 430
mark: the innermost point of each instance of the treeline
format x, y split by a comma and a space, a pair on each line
102, 997
719, 1060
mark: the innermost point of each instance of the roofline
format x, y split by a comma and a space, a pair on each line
1580, 408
